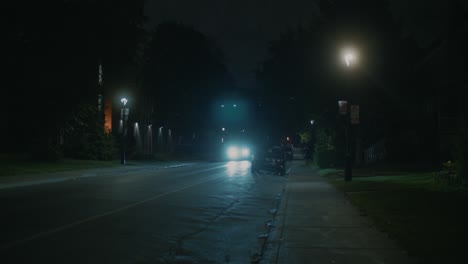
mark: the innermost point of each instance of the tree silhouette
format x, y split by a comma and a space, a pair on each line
54, 54
183, 73
304, 79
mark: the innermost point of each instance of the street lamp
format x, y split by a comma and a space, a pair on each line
343, 110
124, 118
350, 58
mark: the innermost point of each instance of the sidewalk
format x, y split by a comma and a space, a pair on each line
7, 182
316, 224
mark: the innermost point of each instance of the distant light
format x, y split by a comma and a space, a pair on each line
223, 128
235, 105
287, 138
312, 122
136, 124
124, 101
222, 105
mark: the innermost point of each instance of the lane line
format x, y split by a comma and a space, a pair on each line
98, 216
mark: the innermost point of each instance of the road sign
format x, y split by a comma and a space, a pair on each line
343, 107
354, 114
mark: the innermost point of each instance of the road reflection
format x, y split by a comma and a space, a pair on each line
237, 168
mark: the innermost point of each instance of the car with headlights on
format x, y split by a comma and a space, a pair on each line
237, 152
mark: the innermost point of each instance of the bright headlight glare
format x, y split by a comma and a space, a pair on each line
245, 152
233, 152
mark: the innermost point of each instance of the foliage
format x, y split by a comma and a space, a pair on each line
439, 31
325, 150
448, 174
455, 173
461, 156
183, 73
305, 137
431, 22
53, 58
85, 137
292, 87
304, 77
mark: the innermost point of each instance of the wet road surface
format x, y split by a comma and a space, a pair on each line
202, 213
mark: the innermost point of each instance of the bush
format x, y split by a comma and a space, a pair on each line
86, 138
325, 159
448, 174
326, 154
461, 157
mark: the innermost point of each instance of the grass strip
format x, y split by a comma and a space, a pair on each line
428, 220
15, 167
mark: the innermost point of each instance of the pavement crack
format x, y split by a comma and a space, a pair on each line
208, 224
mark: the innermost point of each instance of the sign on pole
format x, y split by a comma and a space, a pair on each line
354, 114
343, 107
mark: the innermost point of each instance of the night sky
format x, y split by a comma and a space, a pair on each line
242, 28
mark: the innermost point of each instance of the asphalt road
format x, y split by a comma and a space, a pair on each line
202, 213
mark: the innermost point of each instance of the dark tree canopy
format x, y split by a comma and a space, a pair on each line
53, 54
183, 73
305, 76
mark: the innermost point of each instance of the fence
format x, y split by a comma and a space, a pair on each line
375, 152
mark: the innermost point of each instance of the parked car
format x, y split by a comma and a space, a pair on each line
270, 159
288, 150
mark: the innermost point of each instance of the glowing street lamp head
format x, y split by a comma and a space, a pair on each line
124, 101
350, 57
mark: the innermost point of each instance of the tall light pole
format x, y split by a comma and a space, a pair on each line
344, 111
124, 118
349, 57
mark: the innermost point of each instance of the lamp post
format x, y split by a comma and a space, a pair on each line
124, 117
350, 59
344, 111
